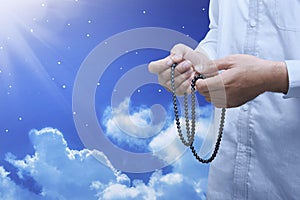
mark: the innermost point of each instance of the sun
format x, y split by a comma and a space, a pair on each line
16, 15
24, 20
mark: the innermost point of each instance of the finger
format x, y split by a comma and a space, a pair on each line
208, 69
184, 67
182, 82
202, 64
159, 66
211, 84
179, 51
202, 87
214, 88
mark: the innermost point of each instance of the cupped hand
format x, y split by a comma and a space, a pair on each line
186, 59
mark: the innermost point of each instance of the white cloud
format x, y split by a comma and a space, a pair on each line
132, 128
10, 190
164, 187
63, 173
167, 145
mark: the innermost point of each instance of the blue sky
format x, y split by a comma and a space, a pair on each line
43, 47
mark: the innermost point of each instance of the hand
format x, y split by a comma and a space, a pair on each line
186, 58
243, 78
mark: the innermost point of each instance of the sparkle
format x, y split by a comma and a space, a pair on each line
64, 86
0, 71
144, 11
136, 53
69, 24
121, 68
53, 79
58, 62
86, 125
10, 86
31, 30
203, 9
89, 21
6, 130
88, 35
20, 118
138, 91
74, 113
159, 90
183, 27
105, 43
1, 47
98, 83
43, 5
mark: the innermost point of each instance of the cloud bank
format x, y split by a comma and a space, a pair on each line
55, 171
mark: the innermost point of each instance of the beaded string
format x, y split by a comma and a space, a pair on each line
190, 131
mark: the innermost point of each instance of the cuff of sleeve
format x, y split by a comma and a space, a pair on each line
293, 67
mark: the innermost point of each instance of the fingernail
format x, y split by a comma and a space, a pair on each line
176, 58
169, 62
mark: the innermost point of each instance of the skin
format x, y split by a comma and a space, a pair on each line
231, 81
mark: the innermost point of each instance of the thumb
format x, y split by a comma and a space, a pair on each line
179, 51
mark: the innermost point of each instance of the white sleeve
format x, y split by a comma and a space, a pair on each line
208, 45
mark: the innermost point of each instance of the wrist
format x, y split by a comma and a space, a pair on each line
278, 76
